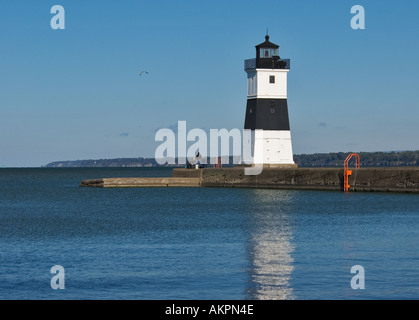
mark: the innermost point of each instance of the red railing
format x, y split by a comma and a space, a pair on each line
218, 163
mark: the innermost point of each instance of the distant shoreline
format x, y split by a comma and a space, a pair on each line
368, 159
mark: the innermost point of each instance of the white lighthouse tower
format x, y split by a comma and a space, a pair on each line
267, 108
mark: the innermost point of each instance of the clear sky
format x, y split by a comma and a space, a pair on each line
78, 94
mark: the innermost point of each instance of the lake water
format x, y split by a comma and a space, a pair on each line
200, 243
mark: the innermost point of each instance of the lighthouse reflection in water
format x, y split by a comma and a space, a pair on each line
270, 246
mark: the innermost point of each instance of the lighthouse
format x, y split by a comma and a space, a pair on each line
267, 108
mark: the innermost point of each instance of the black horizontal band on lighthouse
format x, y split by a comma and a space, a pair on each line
267, 114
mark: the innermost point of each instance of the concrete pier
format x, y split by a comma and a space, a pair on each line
141, 182
397, 179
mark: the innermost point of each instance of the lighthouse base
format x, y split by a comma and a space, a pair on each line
272, 148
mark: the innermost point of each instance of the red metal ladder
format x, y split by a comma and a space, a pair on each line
347, 172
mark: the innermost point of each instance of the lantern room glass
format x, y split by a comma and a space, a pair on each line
268, 52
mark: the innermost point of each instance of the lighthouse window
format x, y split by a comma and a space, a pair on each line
271, 79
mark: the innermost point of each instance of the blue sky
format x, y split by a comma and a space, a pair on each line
78, 94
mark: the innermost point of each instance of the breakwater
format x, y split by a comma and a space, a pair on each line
142, 182
394, 179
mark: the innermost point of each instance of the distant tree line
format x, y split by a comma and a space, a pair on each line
368, 159
105, 163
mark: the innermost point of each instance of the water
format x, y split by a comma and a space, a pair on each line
199, 243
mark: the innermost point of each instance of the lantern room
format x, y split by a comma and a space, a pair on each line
267, 49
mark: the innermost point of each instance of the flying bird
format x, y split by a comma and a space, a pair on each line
143, 72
